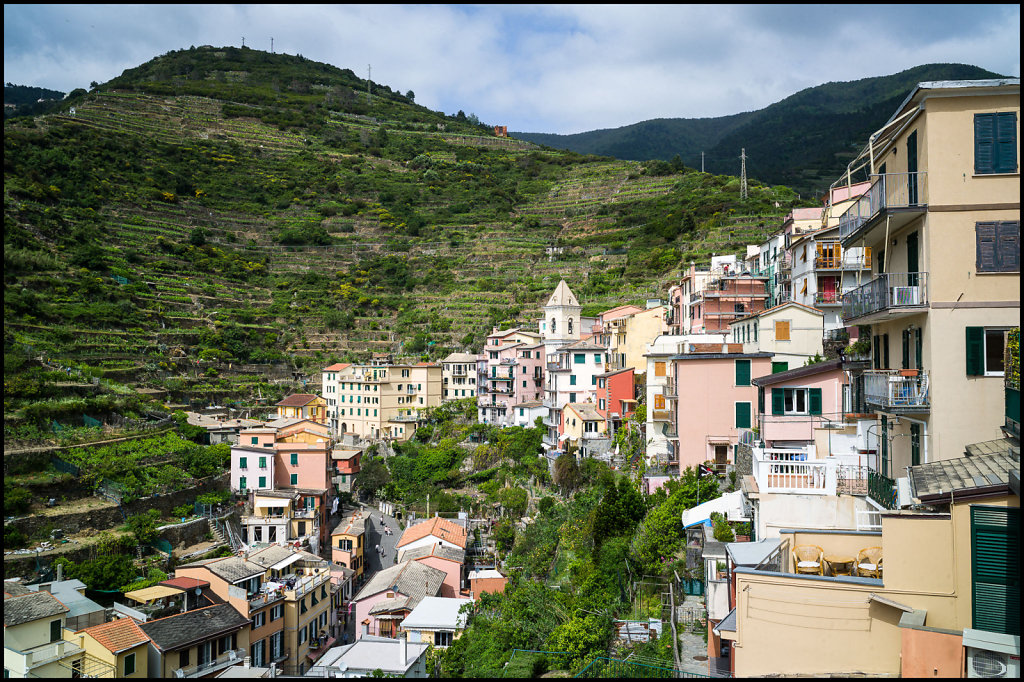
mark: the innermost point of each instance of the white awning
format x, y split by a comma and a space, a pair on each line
287, 561
265, 503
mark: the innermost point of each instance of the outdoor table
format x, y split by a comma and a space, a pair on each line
840, 564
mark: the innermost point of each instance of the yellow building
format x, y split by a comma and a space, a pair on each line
35, 642
381, 401
942, 221
933, 594
626, 332
114, 649
348, 540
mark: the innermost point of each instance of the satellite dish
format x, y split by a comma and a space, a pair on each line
198, 591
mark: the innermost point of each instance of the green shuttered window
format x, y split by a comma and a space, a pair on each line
995, 569
995, 142
778, 401
742, 415
997, 246
975, 351
743, 372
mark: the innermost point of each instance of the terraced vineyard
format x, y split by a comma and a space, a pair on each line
184, 231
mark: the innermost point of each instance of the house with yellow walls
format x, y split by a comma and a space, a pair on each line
303, 406
34, 635
114, 649
934, 593
626, 331
942, 221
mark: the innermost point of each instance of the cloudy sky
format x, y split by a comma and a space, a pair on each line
550, 68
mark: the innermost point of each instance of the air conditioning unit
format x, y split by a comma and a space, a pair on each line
992, 664
906, 296
991, 654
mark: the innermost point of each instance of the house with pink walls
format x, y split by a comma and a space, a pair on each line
792, 403
448, 559
391, 595
717, 400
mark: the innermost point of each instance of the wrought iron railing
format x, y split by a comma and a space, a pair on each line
888, 191
895, 388
888, 290
882, 489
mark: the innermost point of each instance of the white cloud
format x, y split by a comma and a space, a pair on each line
549, 68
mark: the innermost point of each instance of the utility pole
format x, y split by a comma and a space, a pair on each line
271, 45
243, 41
702, 162
743, 173
368, 72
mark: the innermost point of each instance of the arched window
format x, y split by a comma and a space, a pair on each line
570, 326
554, 326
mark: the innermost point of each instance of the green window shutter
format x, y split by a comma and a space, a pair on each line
1005, 142
986, 245
295, 458
780, 367
760, 399
294, 479
742, 415
906, 349
243, 462
1008, 246
263, 481
995, 573
984, 143
263, 462
975, 351
579, 358
778, 401
241, 483
743, 372
918, 349
815, 395
572, 379
885, 350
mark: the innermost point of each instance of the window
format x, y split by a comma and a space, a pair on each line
241, 482
572, 379
243, 463
294, 478
259, 620
295, 458
742, 415
442, 639
779, 367
263, 462
302, 609
659, 369
995, 573
55, 629
796, 401
995, 143
572, 397
276, 612
129, 664
597, 358
985, 348
263, 481
183, 658
255, 440
600, 404
659, 401
743, 372
782, 330
997, 246
579, 358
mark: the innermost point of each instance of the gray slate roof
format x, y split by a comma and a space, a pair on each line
26, 608
442, 551
198, 625
949, 475
230, 568
411, 578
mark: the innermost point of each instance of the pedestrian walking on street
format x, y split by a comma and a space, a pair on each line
377, 548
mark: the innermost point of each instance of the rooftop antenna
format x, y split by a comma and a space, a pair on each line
243, 41
743, 173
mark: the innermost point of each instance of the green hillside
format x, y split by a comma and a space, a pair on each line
218, 217
803, 141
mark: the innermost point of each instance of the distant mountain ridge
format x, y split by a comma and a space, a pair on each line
803, 141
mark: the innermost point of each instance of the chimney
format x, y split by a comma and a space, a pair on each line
60, 572
403, 650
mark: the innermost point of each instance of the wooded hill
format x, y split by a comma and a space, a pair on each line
225, 206
803, 141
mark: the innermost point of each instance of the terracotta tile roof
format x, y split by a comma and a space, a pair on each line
337, 367
118, 635
297, 400
185, 583
443, 529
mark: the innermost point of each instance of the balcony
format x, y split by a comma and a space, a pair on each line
661, 415
826, 261
226, 659
889, 296
306, 513
829, 297
900, 196
793, 471
897, 390
47, 653
264, 597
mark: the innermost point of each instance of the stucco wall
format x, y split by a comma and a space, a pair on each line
931, 654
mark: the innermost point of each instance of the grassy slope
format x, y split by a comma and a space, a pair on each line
238, 206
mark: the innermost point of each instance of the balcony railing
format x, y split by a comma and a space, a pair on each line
793, 471
888, 191
882, 489
828, 298
228, 658
888, 291
841, 262
897, 389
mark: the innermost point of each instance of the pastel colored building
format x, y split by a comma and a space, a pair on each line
571, 377
942, 220
793, 402
35, 639
202, 641
347, 463
436, 620
792, 332
431, 532
348, 541
303, 406
114, 649
391, 594
616, 397
626, 331
525, 414
448, 559
717, 400
486, 580
458, 376
585, 429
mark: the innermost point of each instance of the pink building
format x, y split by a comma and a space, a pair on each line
390, 595
792, 403
443, 558
716, 401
